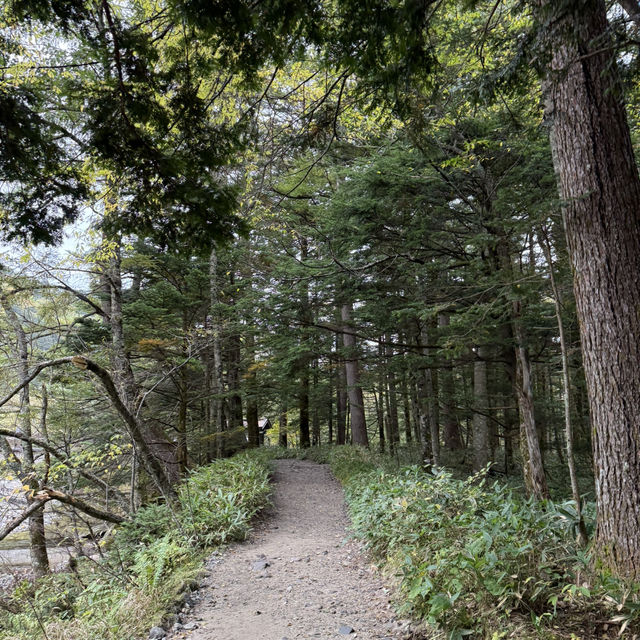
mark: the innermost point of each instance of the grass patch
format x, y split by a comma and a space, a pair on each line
151, 562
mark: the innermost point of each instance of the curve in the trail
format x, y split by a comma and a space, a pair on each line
298, 576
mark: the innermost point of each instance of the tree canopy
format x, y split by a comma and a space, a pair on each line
403, 224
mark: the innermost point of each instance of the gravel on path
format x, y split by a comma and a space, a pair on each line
298, 576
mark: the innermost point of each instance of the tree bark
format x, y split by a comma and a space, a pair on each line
303, 407
37, 537
452, 437
282, 430
428, 406
236, 434
315, 420
382, 408
306, 319
253, 431
481, 456
341, 395
380, 403
122, 377
354, 390
533, 469
600, 188
182, 453
216, 382
406, 409
415, 406
153, 465
81, 505
392, 397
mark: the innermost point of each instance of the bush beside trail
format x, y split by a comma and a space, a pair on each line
151, 561
474, 558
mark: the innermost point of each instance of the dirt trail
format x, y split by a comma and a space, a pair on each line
296, 577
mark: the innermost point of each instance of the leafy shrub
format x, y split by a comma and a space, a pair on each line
156, 561
148, 524
218, 501
148, 562
467, 554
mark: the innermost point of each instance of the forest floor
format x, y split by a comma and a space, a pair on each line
298, 576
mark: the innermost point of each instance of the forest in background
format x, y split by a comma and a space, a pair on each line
409, 226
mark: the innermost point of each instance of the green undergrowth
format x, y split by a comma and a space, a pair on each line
148, 567
474, 558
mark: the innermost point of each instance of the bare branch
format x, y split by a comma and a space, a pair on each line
39, 502
37, 369
81, 505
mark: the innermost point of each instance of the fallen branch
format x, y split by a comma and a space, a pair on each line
46, 495
155, 469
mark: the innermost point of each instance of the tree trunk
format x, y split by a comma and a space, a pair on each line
452, 437
415, 407
282, 430
306, 319
354, 390
481, 409
600, 188
532, 467
235, 433
379, 402
392, 396
303, 406
406, 408
428, 406
341, 392
182, 454
382, 408
216, 381
122, 376
434, 418
37, 538
341, 405
330, 417
315, 419
253, 430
